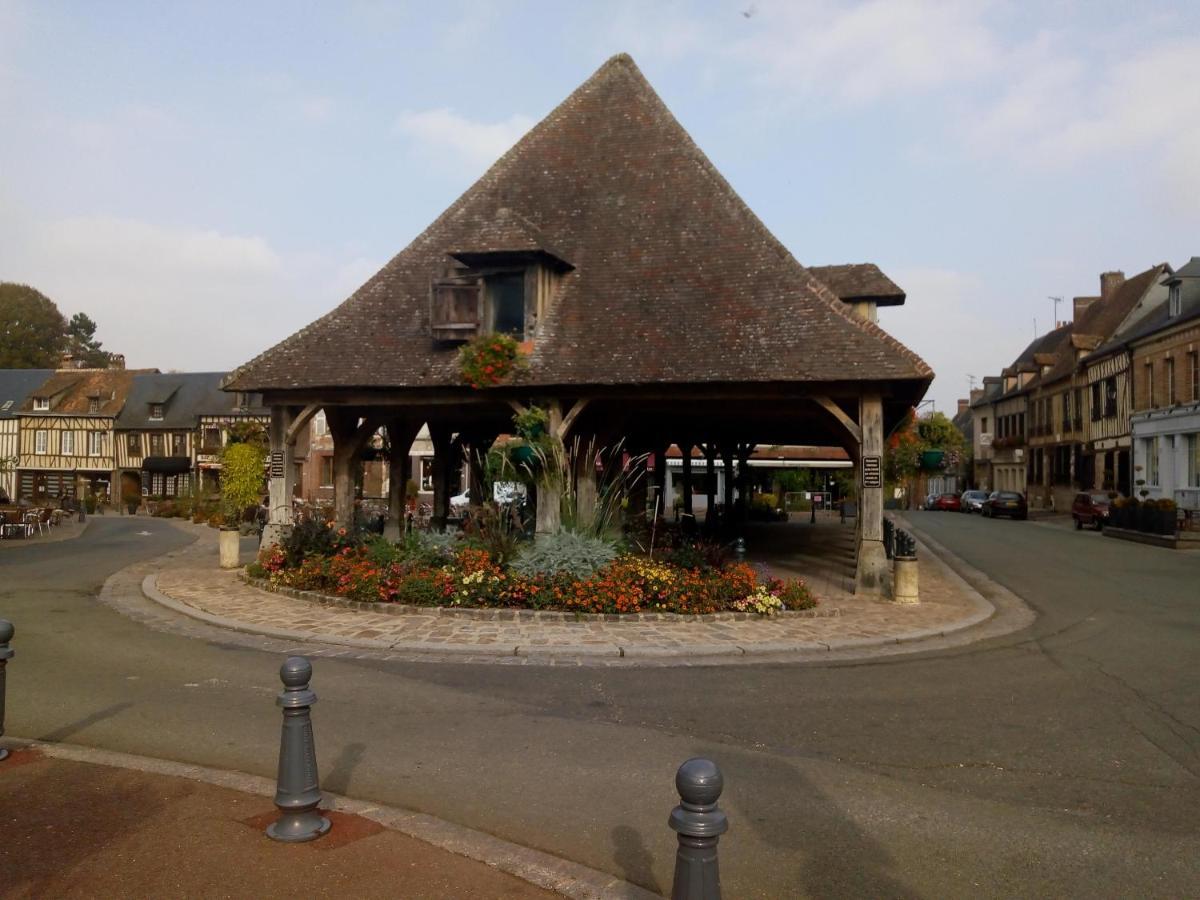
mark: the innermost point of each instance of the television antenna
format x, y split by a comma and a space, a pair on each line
1057, 300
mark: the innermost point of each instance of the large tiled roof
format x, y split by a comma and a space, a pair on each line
76, 388
16, 385
675, 280
860, 281
185, 397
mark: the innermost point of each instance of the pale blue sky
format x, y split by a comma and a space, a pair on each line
205, 179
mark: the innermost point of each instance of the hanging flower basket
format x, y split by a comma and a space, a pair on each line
489, 360
932, 459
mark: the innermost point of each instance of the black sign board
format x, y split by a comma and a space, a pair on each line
276, 463
871, 472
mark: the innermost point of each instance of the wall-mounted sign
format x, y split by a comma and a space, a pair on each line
276, 463
872, 472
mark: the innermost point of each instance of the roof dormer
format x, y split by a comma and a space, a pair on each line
504, 282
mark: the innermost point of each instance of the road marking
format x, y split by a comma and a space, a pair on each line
145, 533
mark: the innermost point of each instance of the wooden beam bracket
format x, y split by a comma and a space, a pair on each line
840, 414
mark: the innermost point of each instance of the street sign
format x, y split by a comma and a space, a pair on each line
872, 474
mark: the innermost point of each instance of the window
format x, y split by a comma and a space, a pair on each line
1110, 396
506, 304
93, 405
1021, 423
212, 439
95, 443
426, 473
320, 426
1095, 401
1194, 460
983, 425
1078, 408
1150, 385
41, 404
1194, 365
1170, 381
1150, 446
156, 412
41, 441
157, 443
326, 471
133, 444
179, 445
66, 443
1174, 302
1066, 410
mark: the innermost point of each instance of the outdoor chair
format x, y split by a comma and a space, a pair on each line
33, 519
15, 524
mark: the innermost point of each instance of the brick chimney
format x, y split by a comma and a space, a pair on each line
976, 393
963, 406
1109, 282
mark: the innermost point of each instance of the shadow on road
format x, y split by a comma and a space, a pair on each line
65, 731
632, 857
338, 778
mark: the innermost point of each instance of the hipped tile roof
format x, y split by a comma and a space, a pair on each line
675, 279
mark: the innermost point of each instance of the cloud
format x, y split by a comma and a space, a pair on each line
473, 143
171, 297
948, 320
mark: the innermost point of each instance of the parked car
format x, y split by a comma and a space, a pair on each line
460, 502
1091, 509
930, 501
1005, 503
972, 501
947, 503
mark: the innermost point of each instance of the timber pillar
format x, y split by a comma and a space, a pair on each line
443, 447
281, 469
871, 576
401, 434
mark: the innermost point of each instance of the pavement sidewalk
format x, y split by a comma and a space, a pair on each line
83, 829
191, 583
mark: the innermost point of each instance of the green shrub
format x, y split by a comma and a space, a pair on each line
796, 595
242, 479
496, 529
419, 589
564, 553
427, 548
383, 552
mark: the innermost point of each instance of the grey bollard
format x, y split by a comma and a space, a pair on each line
298, 789
699, 824
6, 633
739, 549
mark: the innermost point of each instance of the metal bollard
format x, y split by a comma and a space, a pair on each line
6, 633
298, 789
739, 549
699, 824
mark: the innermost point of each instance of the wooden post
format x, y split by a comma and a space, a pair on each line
872, 572
587, 484
401, 434
550, 481
282, 473
442, 449
687, 479
710, 470
727, 470
658, 503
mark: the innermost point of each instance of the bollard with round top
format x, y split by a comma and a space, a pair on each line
298, 789
6, 653
739, 549
699, 823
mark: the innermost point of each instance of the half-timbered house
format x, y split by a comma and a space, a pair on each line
15, 387
66, 433
160, 434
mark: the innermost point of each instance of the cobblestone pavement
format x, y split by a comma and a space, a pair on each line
192, 583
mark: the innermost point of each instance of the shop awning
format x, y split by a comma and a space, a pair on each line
167, 465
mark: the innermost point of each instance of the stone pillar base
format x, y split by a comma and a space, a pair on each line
274, 534
904, 580
392, 531
871, 576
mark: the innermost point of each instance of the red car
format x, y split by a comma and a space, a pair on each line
1091, 509
948, 503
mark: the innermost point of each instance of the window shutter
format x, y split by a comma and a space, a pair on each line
456, 307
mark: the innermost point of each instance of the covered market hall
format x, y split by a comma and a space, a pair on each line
650, 308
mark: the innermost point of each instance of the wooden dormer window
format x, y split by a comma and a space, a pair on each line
456, 308
504, 304
93, 404
41, 404
156, 412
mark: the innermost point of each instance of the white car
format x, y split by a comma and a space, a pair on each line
503, 492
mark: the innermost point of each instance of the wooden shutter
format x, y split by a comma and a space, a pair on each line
456, 308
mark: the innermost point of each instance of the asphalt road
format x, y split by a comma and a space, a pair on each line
1060, 761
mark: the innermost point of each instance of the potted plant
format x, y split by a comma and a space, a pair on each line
241, 487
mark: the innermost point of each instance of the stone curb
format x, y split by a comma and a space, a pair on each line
570, 879
487, 614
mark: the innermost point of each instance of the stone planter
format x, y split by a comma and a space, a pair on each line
229, 542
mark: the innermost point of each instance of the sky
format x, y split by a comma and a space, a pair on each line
205, 179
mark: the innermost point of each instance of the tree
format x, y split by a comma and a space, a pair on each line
938, 432
82, 343
32, 330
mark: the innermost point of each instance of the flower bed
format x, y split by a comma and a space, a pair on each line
457, 574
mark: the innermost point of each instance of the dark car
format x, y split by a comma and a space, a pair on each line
947, 503
972, 501
1006, 503
1091, 509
